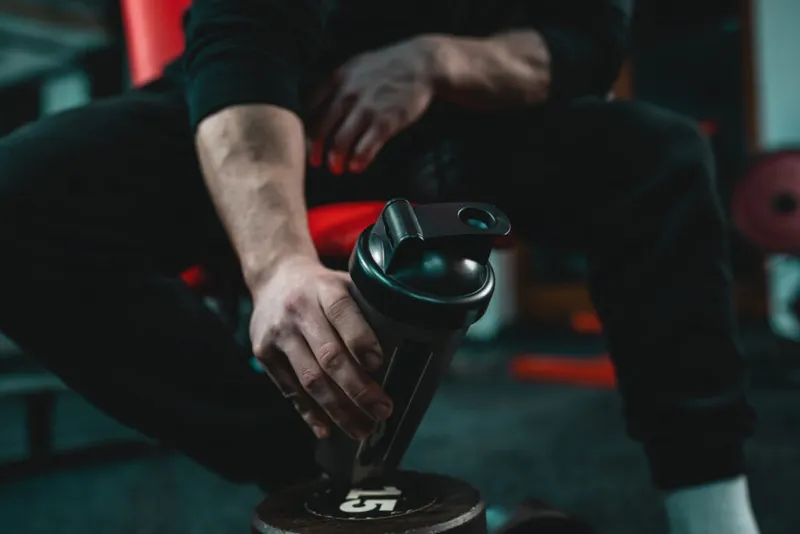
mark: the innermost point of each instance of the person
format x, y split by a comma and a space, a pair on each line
279, 105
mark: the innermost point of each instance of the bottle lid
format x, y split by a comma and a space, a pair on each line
428, 265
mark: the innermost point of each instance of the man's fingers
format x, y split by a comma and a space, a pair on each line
370, 143
277, 367
353, 127
330, 120
337, 361
315, 418
353, 328
279, 371
322, 389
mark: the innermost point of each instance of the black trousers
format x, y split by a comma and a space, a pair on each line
102, 207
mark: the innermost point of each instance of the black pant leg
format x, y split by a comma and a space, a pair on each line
100, 209
633, 186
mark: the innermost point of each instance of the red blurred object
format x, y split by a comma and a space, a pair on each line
586, 323
595, 371
195, 277
336, 227
154, 35
766, 202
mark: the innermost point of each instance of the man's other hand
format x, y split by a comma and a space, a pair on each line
368, 100
311, 338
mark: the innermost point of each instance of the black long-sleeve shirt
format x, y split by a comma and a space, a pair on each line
261, 51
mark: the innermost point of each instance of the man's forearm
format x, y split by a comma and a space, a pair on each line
253, 160
505, 71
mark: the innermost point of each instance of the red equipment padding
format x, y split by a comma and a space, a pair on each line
766, 202
336, 227
154, 35
596, 371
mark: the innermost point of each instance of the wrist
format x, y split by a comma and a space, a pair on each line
442, 55
503, 71
259, 268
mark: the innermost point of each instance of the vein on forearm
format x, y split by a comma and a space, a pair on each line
253, 160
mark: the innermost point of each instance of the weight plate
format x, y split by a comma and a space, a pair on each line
766, 203
392, 497
405, 502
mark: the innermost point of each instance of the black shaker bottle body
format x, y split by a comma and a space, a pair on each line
422, 277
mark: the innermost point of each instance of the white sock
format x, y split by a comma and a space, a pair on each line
718, 508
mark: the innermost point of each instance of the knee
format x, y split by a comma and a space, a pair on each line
664, 145
662, 168
664, 137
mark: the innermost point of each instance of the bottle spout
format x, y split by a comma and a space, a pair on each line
404, 230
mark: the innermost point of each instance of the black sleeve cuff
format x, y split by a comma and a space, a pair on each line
236, 80
673, 467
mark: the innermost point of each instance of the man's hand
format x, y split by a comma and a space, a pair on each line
311, 338
370, 99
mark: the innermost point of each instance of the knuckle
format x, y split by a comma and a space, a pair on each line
331, 355
311, 380
363, 394
274, 330
267, 334
277, 332
294, 303
340, 307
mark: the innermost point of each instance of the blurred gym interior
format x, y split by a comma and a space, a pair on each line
529, 407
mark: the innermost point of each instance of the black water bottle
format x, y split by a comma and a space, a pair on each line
422, 277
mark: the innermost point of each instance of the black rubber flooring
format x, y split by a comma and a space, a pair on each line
513, 441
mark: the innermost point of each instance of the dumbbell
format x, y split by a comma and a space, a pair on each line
422, 277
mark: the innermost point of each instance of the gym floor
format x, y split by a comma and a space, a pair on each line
561, 444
